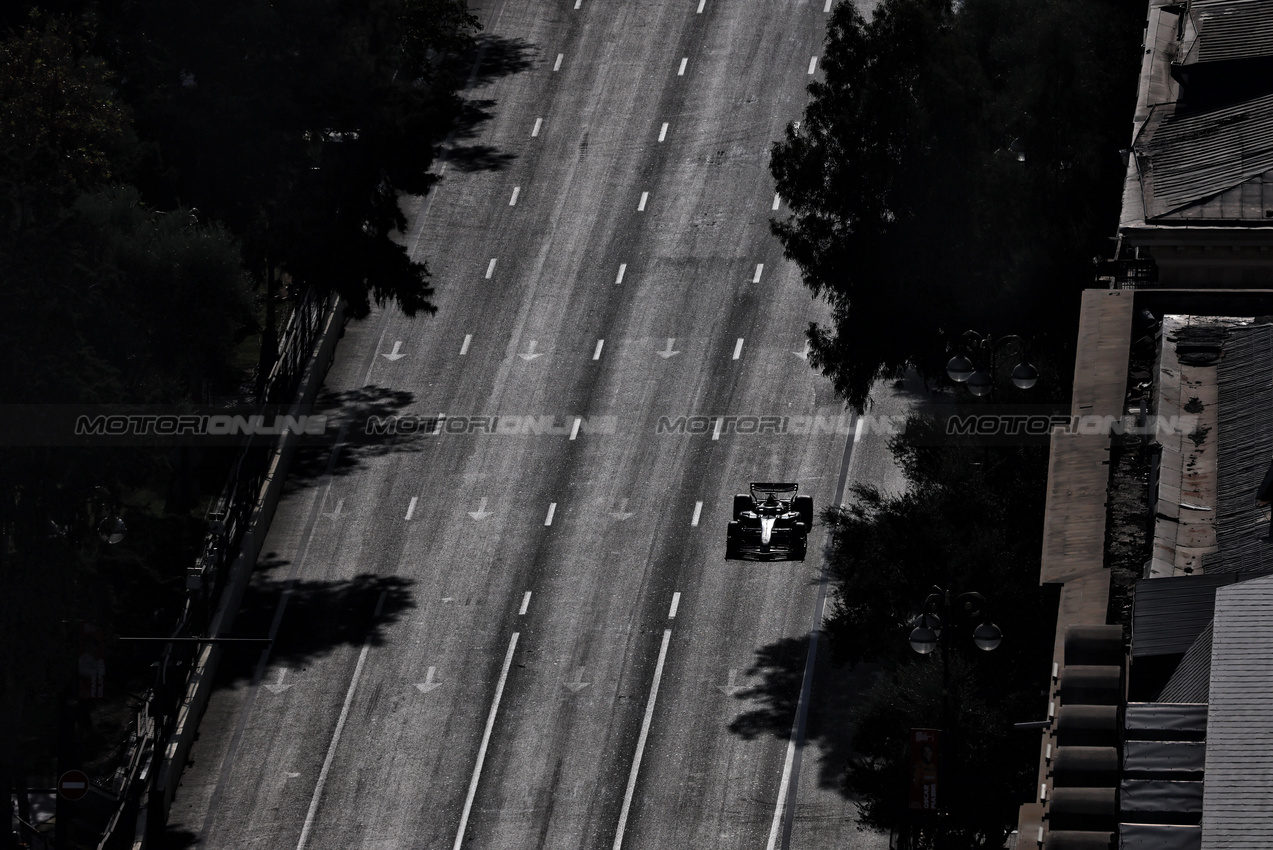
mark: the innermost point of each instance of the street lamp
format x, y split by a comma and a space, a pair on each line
980, 382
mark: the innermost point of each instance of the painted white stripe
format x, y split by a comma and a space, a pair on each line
716, 430
464, 349
663, 132
521, 612
578, 3
827, 8
684, 61
437, 424
340, 727
760, 267
538, 123
486, 741
596, 352
645, 196
623, 267
640, 747
813, 64
676, 603
557, 64
701, 4
517, 190
857, 431
490, 268
411, 507
738, 348
777, 200
552, 509
574, 429
698, 512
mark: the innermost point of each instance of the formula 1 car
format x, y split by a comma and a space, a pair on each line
770, 522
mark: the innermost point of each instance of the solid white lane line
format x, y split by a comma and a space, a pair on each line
676, 603
813, 64
490, 268
552, 509
623, 267
538, 123
645, 196
574, 429
760, 267
521, 612
640, 747
701, 4
340, 727
698, 512
486, 741
411, 508
663, 132
596, 353
464, 349
512, 202
738, 348
716, 430
557, 64
777, 200
684, 61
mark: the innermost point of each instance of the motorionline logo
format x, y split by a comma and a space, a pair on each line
1045, 424
503, 426
717, 425
199, 425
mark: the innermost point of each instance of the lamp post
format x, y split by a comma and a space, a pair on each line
925, 638
980, 382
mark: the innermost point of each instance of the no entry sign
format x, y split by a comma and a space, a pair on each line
73, 785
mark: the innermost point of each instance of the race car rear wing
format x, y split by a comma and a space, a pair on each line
784, 492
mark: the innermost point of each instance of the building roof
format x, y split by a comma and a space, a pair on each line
1236, 814
1168, 614
1225, 30
1191, 682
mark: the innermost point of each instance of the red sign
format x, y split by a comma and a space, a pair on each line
923, 762
73, 785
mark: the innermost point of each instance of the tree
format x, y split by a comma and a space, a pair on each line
956, 168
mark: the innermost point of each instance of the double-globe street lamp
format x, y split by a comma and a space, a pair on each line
981, 382
925, 638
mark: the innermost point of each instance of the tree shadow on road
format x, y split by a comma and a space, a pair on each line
494, 57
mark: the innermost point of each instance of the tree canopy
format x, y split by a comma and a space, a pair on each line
956, 167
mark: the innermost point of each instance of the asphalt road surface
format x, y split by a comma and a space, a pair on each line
504, 618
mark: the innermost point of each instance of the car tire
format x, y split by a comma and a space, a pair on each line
731, 542
742, 502
804, 506
801, 541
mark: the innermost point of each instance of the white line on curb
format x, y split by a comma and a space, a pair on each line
486, 740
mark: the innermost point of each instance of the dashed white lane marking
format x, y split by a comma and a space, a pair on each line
437, 424
813, 64
698, 512
517, 190
701, 4
578, 3
663, 132
411, 507
574, 429
340, 727
716, 430
676, 603
857, 431
596, 352
557, 64
486, 741
464, 349
760, 267
827, 8
490, 268
777, 200
521, 612
623, 267
684, 61
640, 747
645, 196
538, 123
738, 348
552, 509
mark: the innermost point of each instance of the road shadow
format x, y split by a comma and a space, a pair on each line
493, 58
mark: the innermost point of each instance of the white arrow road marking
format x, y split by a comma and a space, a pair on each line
486, 741
803, 355
698, 512
428, 684
676, 603
738, 348
730, 689
490, 268
663, 132
340, 503
278, 687
760, 267
521, 612
668, 352
411, 507
531, 353
622, 513
394, 355
574, 429
552, 509
538, 123
578, 684
596, 353
481, 513
464, 349
640, 747
623, 267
